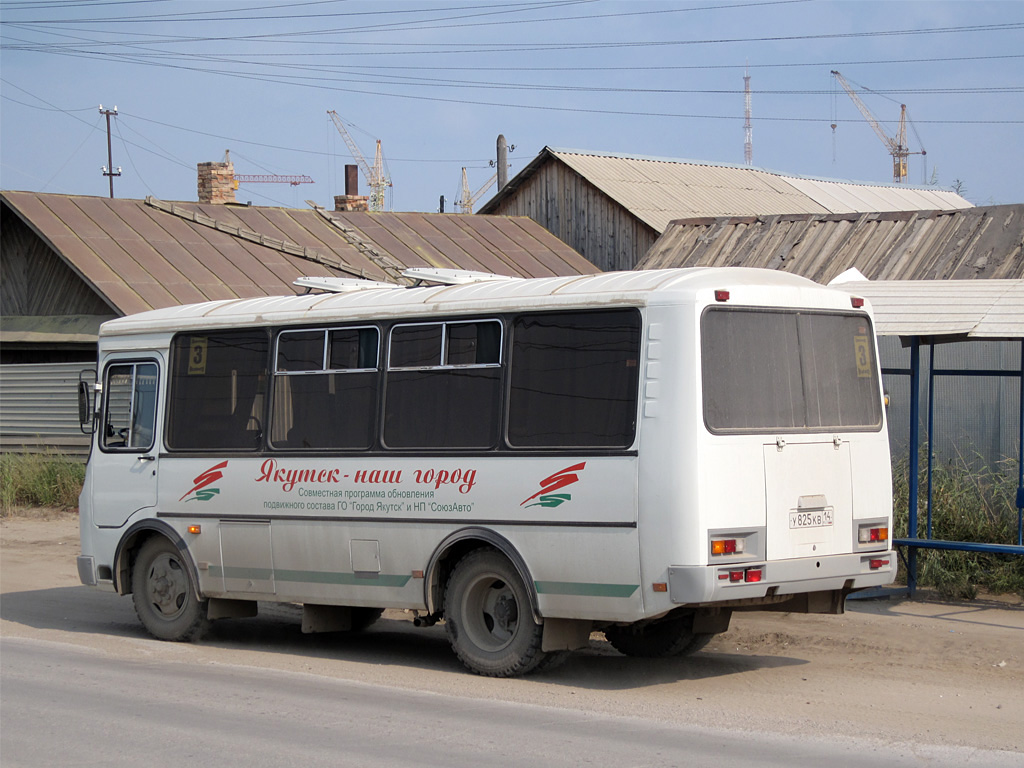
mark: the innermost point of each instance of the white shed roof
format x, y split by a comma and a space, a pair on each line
977, 309
658, 190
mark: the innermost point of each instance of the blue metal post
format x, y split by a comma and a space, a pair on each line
931, 432
1020, 455
912, 464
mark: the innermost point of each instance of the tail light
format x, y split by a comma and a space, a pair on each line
727, 546
867, 534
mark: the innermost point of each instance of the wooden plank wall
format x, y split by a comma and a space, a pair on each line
580, 214
35, 281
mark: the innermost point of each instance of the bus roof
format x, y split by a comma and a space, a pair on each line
749, 286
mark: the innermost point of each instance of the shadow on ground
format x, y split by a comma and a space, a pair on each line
391, 641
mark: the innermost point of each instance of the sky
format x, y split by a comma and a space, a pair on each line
437, 82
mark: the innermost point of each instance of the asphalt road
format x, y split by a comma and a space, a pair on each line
65, 705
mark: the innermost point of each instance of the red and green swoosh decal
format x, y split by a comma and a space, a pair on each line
546, 496
201, 490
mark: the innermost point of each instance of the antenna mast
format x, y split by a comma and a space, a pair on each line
748, 144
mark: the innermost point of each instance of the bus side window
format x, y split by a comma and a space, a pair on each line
574, 379
130, 407
217, 398
325, 389
443, 386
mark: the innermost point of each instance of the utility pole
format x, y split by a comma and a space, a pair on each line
108, 168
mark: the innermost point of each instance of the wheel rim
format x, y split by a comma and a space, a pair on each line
491, 613
167, 587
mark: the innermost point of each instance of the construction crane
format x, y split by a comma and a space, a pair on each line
376, 179
270, 178
465, 203
897, 145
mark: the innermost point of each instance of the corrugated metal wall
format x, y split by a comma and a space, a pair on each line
39, 408
976, 418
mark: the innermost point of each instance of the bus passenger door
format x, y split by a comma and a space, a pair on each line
125, 467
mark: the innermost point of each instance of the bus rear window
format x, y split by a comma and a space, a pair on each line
788, 371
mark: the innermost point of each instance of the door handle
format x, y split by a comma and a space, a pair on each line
147, 457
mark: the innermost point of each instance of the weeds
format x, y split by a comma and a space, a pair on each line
968, 504
39, 480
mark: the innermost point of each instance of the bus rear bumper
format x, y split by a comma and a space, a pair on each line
690, 584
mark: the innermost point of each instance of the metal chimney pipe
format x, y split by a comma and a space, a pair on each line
351, 179
502, 162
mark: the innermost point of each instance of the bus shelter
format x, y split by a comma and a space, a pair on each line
925, 314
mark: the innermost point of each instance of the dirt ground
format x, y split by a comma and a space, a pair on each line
898, 671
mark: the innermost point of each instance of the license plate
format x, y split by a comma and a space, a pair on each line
812, 518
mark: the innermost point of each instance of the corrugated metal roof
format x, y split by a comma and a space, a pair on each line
980, 242
145, 254
977, 309
659, 190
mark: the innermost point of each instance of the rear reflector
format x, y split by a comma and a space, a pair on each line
876, 564
721, 295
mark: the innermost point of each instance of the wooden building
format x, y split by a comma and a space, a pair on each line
612, 208
68, 263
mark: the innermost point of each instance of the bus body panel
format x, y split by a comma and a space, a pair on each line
345, 531
606, 536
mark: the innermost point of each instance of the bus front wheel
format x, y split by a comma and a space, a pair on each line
488, 617
673, 636
163, 593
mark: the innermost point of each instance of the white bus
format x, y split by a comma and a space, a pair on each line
526, 460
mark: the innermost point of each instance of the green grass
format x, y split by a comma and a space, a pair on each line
39, 480
968, 504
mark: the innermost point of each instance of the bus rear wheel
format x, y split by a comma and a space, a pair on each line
672, 636
489, 618
164, 595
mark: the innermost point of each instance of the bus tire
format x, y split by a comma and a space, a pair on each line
489, 618
363, 618
669, 637
164, 595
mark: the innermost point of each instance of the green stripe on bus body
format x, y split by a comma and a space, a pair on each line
584, 589
311, 577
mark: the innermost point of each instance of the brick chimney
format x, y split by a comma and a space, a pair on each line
217, 182
351, 201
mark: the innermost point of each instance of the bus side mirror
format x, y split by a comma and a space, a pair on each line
86, 400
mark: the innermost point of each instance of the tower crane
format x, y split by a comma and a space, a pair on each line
465, 202
270, 178
377, 180
264, 178
897, 144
